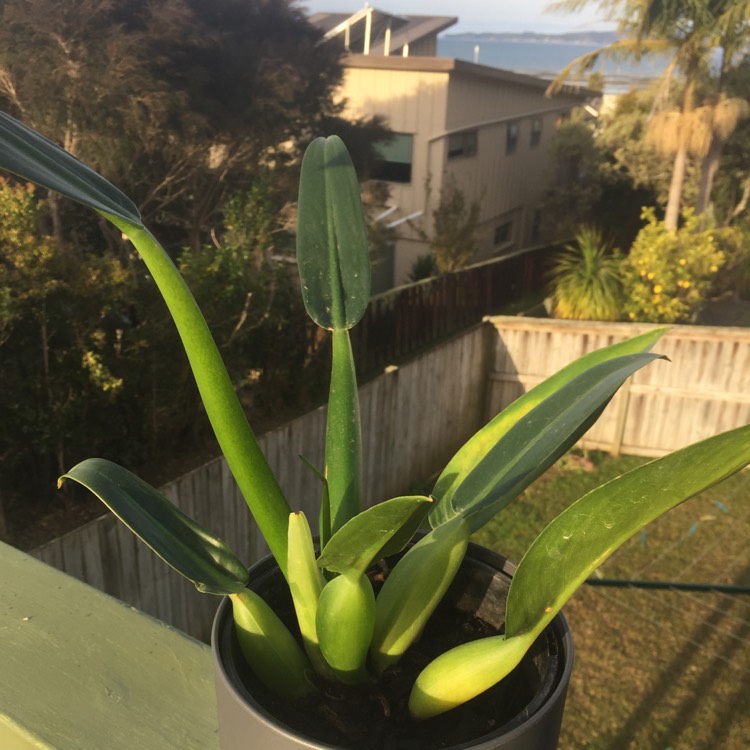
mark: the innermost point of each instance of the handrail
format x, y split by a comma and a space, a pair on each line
83, 671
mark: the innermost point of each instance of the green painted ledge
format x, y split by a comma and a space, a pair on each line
80, 670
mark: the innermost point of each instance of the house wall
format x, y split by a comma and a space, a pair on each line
413, 102
433, 98
507, 186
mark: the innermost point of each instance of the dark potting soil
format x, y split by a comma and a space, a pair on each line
375, 716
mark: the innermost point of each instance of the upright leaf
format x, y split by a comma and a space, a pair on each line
305, 584
536, 441
473, 451
181, 542
332, 251
236, 438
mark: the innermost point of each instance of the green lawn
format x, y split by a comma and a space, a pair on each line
654, 669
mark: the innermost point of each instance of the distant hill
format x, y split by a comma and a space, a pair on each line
570, 37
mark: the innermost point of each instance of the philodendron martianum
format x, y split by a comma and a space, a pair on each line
348, 633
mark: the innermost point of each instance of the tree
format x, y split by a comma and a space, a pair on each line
623, 137
453, 237
576, 180
64, 332
177, 101
690, 30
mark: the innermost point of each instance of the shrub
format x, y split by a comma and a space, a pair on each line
668, 275
585, 279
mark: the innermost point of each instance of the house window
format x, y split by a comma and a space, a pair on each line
503, 233
511, 138
462, 144
396, 159
536, 131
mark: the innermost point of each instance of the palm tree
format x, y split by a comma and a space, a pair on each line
706, 130
689, 30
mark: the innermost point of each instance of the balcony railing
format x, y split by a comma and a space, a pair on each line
83, 671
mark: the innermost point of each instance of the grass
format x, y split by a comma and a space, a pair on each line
653, 669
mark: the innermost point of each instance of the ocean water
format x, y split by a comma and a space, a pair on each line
548, 59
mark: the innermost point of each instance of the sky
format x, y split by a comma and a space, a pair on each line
477, 15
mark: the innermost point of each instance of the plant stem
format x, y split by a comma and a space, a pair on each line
343, 436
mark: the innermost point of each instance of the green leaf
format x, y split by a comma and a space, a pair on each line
181, 542
536, 441
30, 155
236, 438
26, 153
414, 588
463, 672
478, 446
380, 531
344, 622
583, 536
332, 250
305, 584
269, 648
324, 517
343, 437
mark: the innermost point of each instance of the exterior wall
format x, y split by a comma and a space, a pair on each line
433, 98
507, 186
412, 101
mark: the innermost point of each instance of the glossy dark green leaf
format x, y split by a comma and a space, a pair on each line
26, 153
176, 538
380, 531
332, 251
536, 441
474, 450
583, 536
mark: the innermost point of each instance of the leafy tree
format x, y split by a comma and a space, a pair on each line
453, 235
64, 337
689, 31
731, 189
178, 101
623, 137
586, 279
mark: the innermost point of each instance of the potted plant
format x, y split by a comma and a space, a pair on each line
342, 622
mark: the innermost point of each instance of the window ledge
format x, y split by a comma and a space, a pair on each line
84, 671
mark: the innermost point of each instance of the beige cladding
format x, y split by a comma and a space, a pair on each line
431, 98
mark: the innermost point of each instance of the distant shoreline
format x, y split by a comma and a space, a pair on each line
597, 38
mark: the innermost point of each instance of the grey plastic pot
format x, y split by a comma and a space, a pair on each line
480, 587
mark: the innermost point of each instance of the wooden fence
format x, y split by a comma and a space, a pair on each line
411, 318
702, 390
414, 418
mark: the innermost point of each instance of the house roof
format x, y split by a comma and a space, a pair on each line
405, 29
461, 67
